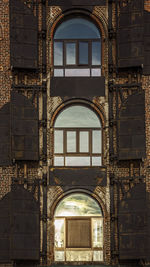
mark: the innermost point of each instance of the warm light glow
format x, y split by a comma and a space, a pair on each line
58, 224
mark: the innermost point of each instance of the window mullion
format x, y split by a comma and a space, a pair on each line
65, 146
90, 146
77, 53
77, 141
64, 54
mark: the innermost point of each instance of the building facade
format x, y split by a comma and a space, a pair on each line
74, 127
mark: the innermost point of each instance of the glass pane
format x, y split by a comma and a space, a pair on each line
83, 52
71, 141
58, 53
58, 72
70, 53
58, 141
77, 161
59, 233
59, 256
58, 161
96, 141
84, 141
95, 72
69, 29
97, 232
77, 72
96, 161
97, 255
78, 255
96, 53
77, 116
78, 204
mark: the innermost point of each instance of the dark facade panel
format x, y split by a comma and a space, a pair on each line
146, 69
78, 176
132, 224
148, 226
76, 2
19, 226
131, 128
25, 225
23, 36
77, 86
5, 229
130, 34
24, 128
5, 135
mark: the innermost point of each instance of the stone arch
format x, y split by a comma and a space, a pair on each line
99, 21
60, 195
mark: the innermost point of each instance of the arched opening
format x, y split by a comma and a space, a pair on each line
78, 222
77, 137
77, 53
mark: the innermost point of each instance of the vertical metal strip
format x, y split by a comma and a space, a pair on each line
111, 118
44, 117
44, 37
44, 217
44, 84
110, 64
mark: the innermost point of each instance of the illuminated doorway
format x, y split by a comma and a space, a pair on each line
78, 235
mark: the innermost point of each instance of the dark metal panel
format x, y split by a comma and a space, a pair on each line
148, 226
5, 135
132, 223
25, 221
131, 127
146, 69
77, 3
78, 86
23, 36
130, 34
78, 176
24, 128
5, 229
44, 243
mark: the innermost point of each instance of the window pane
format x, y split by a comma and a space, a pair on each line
58, 141
59, 256
77, 72
59, 233
77, 161
58, 72
69, 29
96, 141
58, 53
58, 161
78, 255
96, 53
77, 116
97, 255
95, 72
84, 141
71, 141
78, 204
97, 233
96, 161
70, 53
83, 52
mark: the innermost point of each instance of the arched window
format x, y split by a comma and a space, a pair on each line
78, 224
77, 137
77, 48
